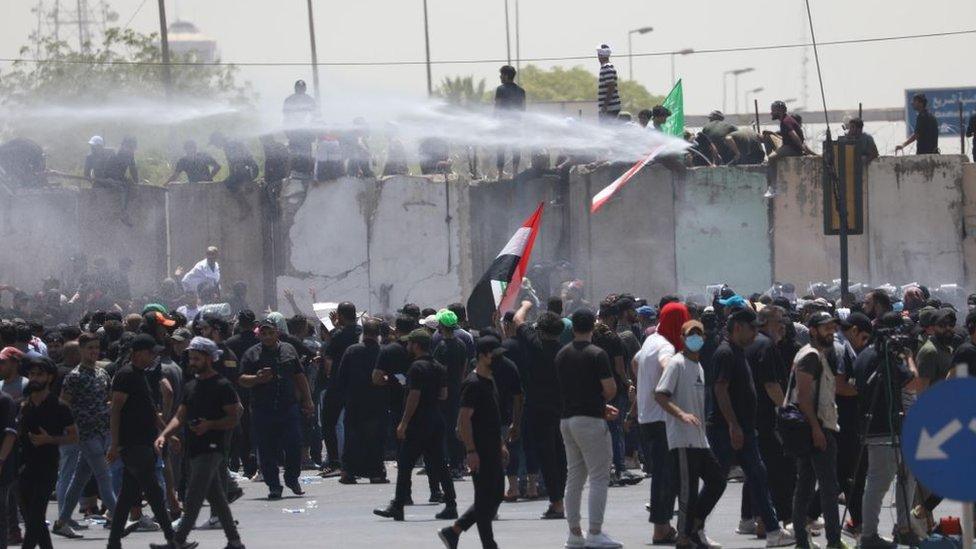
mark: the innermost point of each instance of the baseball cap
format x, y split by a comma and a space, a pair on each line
692, 325
145, 342
927, 316
859, 321
410, 309
430, 322
820, 318
267, 323
96, 140
945, 315
9, 353
419, 335
716, 115
181, 334
489, 345
646, 311
155, 307
744, 316
733, 301
447, 318
204, 345
44, 363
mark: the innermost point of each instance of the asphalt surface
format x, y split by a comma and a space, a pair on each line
331, 515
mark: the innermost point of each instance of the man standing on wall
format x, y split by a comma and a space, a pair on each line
926, 134
509, 103
608, 96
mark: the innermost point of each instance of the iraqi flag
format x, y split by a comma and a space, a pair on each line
499, 286
600, 198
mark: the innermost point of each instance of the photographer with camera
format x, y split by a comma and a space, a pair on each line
880, 373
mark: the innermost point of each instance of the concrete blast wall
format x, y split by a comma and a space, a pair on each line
383, 243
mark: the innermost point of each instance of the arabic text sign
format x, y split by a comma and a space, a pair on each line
939, 439
944, 104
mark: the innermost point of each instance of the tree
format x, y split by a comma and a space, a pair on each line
579, 84
462, 91
114, 89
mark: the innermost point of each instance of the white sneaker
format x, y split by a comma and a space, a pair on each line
703, 540
212, 523
257, 477
815, 527
779, 538
747, 527
575, 542
601, 541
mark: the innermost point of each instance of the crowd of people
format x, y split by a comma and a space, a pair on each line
108, 402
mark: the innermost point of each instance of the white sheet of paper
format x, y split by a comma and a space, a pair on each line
323, 310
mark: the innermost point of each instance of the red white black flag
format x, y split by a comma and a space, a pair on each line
499, 286
600, 198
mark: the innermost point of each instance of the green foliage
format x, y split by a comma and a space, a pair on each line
462, 91
68, 95
580, 84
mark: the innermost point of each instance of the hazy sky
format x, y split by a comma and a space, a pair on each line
384, 30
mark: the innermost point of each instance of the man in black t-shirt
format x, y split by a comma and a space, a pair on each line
926, 134
198, 166
279, 397
509, 104
135, 422
586, 388
239, 344
364, 404
732, 422
210, 409
345, 334
45, 424
421, 431
453, 355
391, 368
480, 429
8, 463
540, 344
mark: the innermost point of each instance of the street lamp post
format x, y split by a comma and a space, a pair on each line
630, 49
752, 92
685, 51
508, 39
430, 83
735, 73
315, 55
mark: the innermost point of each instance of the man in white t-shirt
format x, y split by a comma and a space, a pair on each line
649, 362
681, 394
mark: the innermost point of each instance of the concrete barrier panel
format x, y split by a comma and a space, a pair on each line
802, 254
916, 229
38, 235
969, 222
628, 245
722, 230
206, 214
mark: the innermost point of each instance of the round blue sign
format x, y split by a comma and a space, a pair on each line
939, 439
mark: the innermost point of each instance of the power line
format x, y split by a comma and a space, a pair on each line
483, 61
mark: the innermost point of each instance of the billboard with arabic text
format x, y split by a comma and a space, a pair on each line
944, 104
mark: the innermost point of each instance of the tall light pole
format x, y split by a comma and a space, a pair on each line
164, 46
508, 36
685, 51
630, 49
315, 55
735, 73
518, 50
753, 91
430, 83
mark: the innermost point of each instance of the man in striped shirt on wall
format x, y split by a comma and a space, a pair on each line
608, 98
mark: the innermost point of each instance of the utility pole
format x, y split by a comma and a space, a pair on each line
518, 50
508, 37
164, 43
430, 83
315, 55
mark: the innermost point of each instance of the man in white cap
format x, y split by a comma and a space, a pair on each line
210, 409
608, 98
95, 161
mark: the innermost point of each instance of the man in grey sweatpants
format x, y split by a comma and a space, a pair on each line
586, 385
210, 408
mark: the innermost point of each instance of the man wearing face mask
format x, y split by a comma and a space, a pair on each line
681, 393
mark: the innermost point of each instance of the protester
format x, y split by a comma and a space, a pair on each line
209, 409
926, 134
789, 141
718, 130
608, 95
480, 429
198, 166
509, 102
681, 393
96, 159
299, 110
344, 335
586, 385
855, 133
205, 271
8, 473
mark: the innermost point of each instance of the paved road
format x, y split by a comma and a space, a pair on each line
340, 516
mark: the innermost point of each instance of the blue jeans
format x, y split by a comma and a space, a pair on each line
617, 434
752, 465
277, 431
90, 462
66, 470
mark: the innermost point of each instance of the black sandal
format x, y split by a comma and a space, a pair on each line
669, 539
552, 514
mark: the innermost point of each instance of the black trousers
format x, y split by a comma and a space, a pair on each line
423, 440
36, 487
138, 478
453, 448
694, 506
544, 432
489, 488
780, 471
330, 419
362, 455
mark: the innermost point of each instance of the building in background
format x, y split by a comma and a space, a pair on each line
185, 39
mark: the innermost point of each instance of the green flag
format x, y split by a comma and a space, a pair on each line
675, 103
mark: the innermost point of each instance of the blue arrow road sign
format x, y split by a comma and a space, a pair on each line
939, 439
